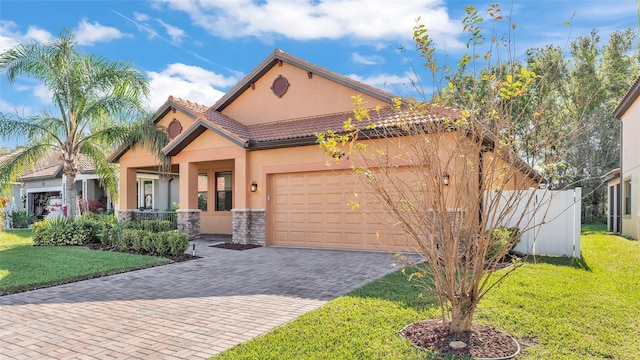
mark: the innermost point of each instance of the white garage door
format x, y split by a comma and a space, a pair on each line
310, 209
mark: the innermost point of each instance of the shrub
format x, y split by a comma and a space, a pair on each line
178, 243
162, 245
166, 243
151, 225
54, 232
22, 219
500, 237
63, 231
86, 230
110, 228
90, 206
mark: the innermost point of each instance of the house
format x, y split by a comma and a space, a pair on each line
249, 165
624, 190
45, 180
614, 200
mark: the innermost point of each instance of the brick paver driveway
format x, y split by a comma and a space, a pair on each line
186, 310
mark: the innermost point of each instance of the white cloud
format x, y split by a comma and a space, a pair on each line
90, 33
388, 82
22, 111
175, 33
39, 35
323, 19
140, 16
42, 93
188, 82
366, 60
10, 36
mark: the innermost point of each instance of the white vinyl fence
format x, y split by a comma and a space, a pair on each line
551, 221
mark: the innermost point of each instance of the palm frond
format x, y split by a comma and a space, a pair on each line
16, 163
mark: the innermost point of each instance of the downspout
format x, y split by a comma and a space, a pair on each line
169, 193
619, 203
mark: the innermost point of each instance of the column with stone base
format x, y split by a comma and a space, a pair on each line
126, 214
189, 222
249, 226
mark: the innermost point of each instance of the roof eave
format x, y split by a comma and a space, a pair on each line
627, 100
193, 132
161, 112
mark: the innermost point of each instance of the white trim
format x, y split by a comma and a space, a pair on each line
45, 189
86, 177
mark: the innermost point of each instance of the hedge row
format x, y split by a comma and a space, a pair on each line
153, 237
63, 232
157, 243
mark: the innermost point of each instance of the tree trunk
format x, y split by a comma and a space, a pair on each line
71, 196
462, 310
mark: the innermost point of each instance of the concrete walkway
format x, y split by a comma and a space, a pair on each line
187, 310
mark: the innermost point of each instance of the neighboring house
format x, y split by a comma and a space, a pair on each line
45, 180
628, 205
249, 165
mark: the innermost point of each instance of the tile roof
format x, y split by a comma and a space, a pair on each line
234, 127
50, 166
304, 127
189, 105
307, 127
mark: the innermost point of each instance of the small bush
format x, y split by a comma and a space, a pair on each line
110, 228
22, 219
151, 225
178, 243
86, 230
501, 237
128, 238
148, 241
54, 232
166, 243
162, 245
90, 206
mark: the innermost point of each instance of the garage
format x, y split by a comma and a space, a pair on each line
310, 209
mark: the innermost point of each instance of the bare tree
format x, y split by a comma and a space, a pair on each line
450, 179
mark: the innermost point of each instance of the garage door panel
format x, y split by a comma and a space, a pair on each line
297, 218
316, 218
353, 218
316, 238
311, 209
315, 199
334, 198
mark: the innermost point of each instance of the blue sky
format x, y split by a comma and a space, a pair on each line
198, 49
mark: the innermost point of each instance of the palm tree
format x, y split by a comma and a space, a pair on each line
99, 107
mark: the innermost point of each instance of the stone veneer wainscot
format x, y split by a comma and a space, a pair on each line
249, 226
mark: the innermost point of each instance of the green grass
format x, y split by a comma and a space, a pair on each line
556, 307
24, 267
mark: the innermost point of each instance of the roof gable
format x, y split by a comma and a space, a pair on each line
285, 88
277, 57
190, 109
628, 99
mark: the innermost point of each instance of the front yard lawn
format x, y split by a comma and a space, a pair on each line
557, 308
24, 267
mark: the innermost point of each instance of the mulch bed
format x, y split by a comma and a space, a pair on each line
180, 258
235, 246
482, 341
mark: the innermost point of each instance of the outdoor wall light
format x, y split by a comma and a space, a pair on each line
445, 179
254, 186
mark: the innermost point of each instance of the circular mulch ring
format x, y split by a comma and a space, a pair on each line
483, 342
235, 246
